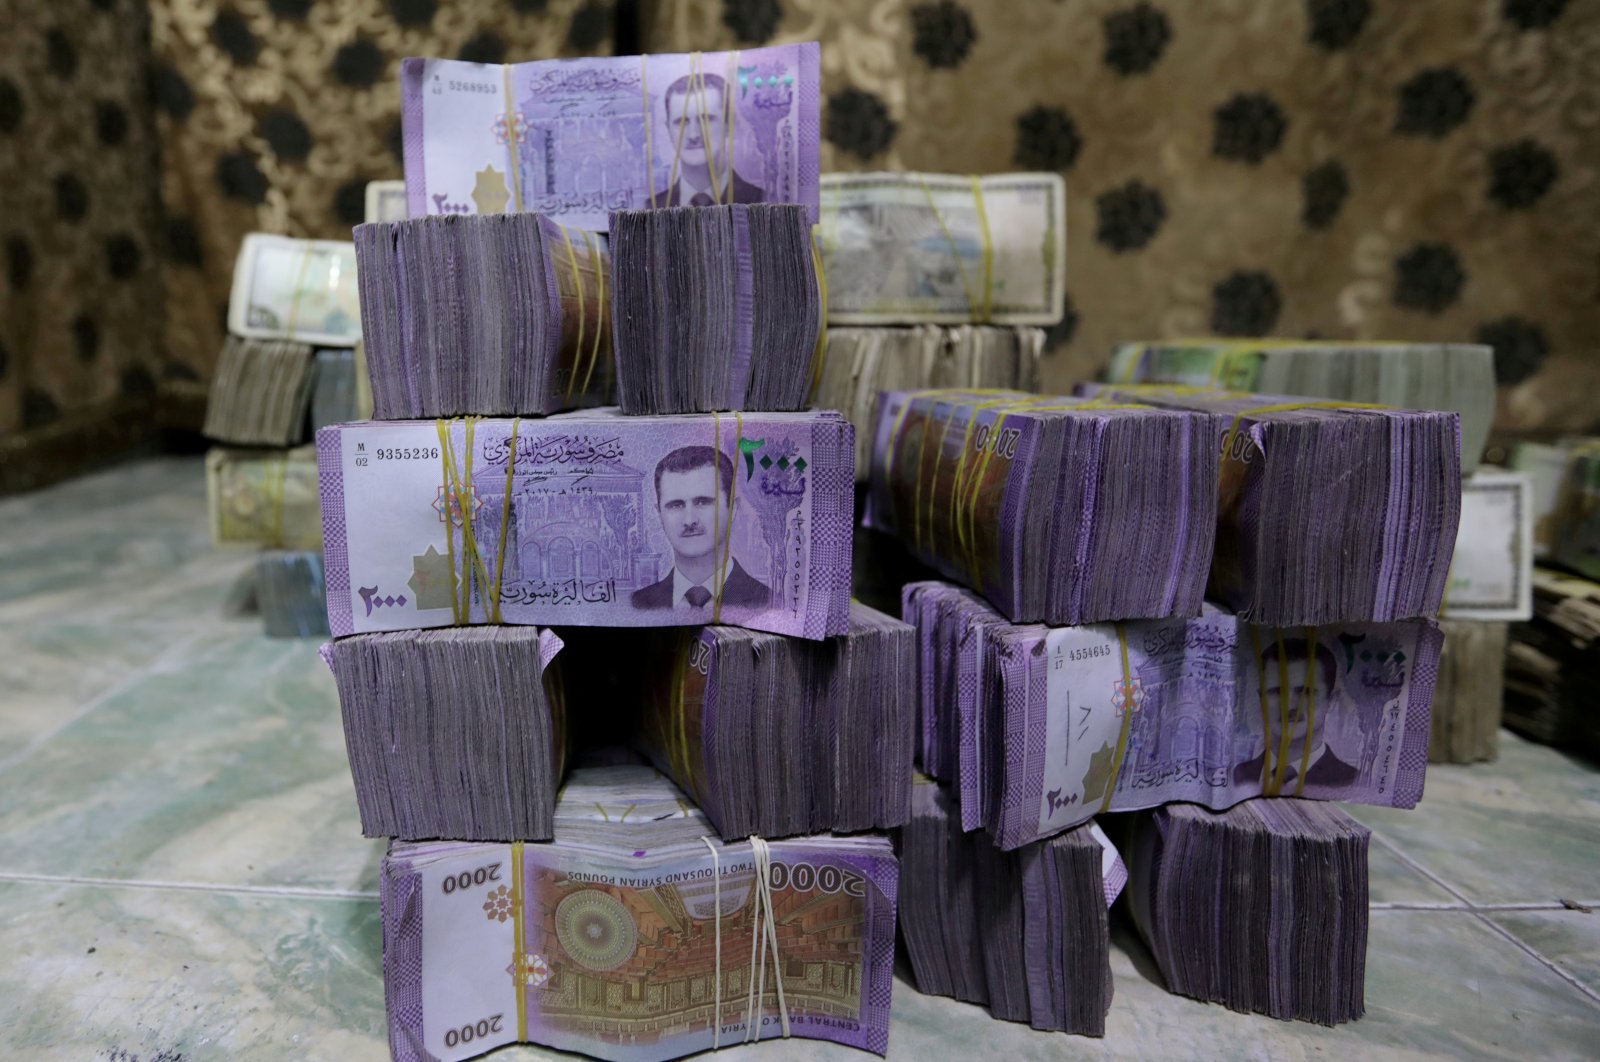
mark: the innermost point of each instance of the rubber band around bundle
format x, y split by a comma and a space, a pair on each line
458, 485
513, 140
1128, 708
980, 302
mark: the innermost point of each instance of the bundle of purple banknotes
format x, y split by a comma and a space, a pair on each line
634, 936
590, 518
1328, 511
453, 733
1025, 932
1262, 908
485, 314
715, 307
1039, 728
1058, 510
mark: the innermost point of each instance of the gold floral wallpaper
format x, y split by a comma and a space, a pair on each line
1338, 168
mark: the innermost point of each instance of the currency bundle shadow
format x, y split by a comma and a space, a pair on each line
1262, 908
456, 733
716, 308
483, 314
1025, 932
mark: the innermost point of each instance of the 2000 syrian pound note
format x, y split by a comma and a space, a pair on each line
575, 139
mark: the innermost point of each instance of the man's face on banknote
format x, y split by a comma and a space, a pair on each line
696, 115
693, 510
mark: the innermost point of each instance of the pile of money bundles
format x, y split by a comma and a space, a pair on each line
1026, 932
715, 308
1329, 511
591, 519
1469, 696
484, 314
1458, 377
1057, 510
1262, 908
453, 733
260, 393
635, 936
1052, 725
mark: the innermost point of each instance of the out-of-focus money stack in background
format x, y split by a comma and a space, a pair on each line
290, 365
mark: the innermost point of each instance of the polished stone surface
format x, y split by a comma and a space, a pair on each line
182, 874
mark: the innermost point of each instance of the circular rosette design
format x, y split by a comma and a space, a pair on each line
596, 930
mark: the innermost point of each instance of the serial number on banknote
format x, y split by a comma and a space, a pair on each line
470, 86
407, 453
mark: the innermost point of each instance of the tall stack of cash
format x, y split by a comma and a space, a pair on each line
1469, 696
1262, 908
289, 297
644, 219
1552, 664
1458, 377
1025, 932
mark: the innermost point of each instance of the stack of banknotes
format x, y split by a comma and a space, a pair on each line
1040, 728
635, 936
1262, 908
1025, 932
1547, 465
289, 593
575, 140
266, 498
914, 248
1470, 693
260, 393
495, 315
767, 734
1328, 512
861, 362
453, 733
1058, 510
1458, 377
335, 391
302, 290
715, 308
591, 519
1553, 662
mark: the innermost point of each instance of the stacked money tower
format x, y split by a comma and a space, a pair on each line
288, 367
601, 677
1186, 597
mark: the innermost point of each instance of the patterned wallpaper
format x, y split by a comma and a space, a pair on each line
1337, 168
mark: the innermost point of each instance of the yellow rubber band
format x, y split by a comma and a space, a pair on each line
519, 949
298, 291
1311, 708
600, 316
1127, 722
1266, 719
577, 283
512, 139
820, 356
